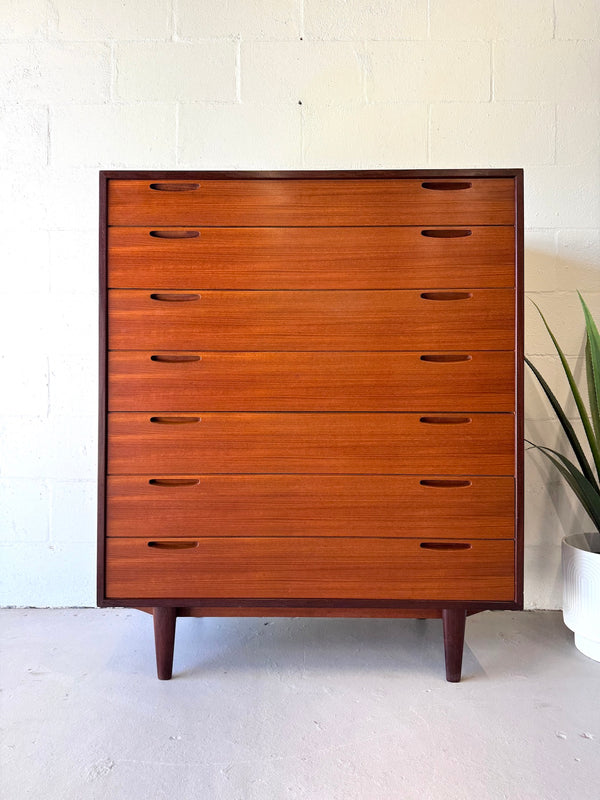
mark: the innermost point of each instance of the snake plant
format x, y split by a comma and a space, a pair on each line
581, 474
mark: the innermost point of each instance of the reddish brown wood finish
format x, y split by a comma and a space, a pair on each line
102, 387
454, 636
314, 505
344, 607
310, 258
304, 567
311, 443
311, 203
314, 320
307, 611
519, 386
297, 232
165, 618
314, 381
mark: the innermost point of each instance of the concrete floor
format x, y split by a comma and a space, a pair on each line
295, 710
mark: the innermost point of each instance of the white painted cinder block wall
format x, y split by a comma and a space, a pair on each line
264, 84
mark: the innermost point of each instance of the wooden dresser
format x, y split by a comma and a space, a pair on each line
311, 396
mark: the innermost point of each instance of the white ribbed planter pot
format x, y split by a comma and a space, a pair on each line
581, 590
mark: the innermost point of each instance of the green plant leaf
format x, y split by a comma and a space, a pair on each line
592, 364
585, 419
586, 493
592, 392
566, 425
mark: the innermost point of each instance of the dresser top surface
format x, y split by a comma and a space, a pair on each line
310, 174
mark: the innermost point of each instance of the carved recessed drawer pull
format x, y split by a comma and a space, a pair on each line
174, 420
446, 295
450, 233
442, 484
174, 298
175, 234
174, 359
446, 186
445, 545
174, 481
445, 358
174, 187
445, 420
173, 545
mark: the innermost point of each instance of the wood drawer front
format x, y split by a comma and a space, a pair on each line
311, 505
260, 202
479, 444
146, 381
312, 567
311, 258
480, 319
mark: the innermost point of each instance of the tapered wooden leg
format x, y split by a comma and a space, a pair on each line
454, 640
165, 618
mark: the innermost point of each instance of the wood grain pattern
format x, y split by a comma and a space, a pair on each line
312, 202
454, 638
165, 619
311, 443
308, 611
312, 320
316, 381
310, 258
310, 505
321, 567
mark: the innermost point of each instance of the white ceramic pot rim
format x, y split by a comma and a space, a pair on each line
589, 542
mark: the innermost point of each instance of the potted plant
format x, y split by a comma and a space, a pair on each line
581, 551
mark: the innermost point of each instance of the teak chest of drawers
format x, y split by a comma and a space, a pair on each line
311, 396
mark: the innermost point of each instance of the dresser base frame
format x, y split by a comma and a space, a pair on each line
453, 618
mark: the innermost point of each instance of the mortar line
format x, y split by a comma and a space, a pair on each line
113, 72
51, 491
492, 84
48, 387
238, 71
177, 108
48, 136
302, 154
364, 70
428, 132
173, 21
555, 137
